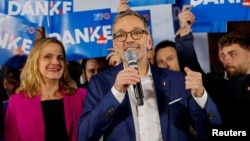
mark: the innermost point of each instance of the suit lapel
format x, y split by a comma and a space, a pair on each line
129, 119
162, 89
127, 107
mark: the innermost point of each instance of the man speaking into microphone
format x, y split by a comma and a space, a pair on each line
131, 59
165, 108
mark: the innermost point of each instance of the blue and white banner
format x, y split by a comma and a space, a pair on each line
149, 2
85, 34
204, 26
2, 6
16, 37
220, 10
146, 15
37, 11
210, 27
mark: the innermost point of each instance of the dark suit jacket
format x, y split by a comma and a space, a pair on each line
234, 103
232, 97
104, 115
188, 58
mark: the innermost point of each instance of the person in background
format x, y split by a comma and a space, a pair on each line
184, 41
75, 71
11, 82
92, 66
229, 90
166, 55
189, 64
48, 104
234, 49
111, 107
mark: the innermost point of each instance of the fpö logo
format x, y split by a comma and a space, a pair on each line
101, 16
246, 3
26, 28
146, 16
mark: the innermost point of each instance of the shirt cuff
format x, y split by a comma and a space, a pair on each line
118, 95
201, 100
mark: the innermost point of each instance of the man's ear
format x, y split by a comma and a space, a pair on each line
149, 46
150, 40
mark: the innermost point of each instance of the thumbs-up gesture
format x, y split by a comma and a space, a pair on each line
193, 82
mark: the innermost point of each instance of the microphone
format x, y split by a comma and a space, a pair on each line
131, 58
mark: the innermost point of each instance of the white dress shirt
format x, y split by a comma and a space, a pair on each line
146, 117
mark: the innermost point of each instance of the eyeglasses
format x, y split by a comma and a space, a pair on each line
136, 34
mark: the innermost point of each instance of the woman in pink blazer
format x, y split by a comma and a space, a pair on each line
48, 104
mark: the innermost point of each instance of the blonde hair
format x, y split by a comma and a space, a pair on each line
31, 77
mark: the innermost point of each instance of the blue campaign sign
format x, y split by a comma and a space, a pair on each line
85, 34
147, 16
210, 27
2, 6
16, 37
37, 11
204, 26
220, 10
149, 2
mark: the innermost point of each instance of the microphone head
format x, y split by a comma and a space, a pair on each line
131, 58
130, 55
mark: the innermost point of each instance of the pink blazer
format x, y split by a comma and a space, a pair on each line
24, 117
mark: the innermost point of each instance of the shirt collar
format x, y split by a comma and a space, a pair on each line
149, 73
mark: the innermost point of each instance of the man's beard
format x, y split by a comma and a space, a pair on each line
233, 72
